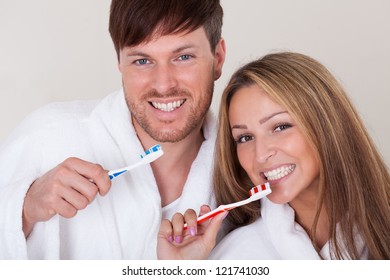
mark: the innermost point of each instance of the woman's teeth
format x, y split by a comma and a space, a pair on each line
168, 107
279, 172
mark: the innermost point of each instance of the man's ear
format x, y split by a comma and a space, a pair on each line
119, 61
219, 58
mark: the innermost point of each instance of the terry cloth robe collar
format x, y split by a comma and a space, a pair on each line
292, 241
274, 236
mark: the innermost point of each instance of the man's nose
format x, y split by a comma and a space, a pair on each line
164, 78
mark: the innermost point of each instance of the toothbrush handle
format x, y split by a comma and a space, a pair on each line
222, 208
116, 174
209, 215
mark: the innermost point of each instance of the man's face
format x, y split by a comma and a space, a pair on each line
168, 83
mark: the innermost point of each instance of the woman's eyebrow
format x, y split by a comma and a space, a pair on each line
263, 120
239, 126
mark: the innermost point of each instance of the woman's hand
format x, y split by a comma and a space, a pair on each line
194, 243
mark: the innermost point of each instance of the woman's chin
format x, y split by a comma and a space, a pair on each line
277, 198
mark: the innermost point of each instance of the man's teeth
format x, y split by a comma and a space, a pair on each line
279, 172
168, 107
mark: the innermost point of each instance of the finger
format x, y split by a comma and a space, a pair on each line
101, 179
58, 205
213, 228
78, 200
96, 173
177, 225
166, 231
165, 240
204, 209
75, 188
65, 209
191, 220
81, 185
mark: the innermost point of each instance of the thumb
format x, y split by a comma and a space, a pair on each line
213, 228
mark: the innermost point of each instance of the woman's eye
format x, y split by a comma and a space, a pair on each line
244, 138
282, 126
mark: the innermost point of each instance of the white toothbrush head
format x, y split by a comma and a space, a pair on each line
260, 191
152, 154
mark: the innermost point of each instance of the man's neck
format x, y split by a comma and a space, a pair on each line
172, 169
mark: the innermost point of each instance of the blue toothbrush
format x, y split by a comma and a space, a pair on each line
150, 155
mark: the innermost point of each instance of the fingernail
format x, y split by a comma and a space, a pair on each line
192, 231
170, 239
178, 239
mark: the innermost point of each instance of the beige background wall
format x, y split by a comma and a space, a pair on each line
61, 50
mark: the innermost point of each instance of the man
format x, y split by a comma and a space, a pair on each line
56, 199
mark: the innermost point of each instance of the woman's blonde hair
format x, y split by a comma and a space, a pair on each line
354, 180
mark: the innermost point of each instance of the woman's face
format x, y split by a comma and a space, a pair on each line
270, 146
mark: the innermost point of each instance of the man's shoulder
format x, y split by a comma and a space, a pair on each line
59, 113
65, 112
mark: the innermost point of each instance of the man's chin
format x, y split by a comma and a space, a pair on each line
168, 137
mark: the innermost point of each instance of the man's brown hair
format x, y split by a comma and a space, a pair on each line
136, 21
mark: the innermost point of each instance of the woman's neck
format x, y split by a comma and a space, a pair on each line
305, 215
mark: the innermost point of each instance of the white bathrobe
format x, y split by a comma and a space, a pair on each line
274, 236
121, 225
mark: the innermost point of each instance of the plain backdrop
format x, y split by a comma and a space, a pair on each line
61, 50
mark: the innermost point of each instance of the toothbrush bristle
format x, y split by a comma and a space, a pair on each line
153, 149
259, 188
253, 190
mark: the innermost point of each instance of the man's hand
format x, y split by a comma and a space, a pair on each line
64, 190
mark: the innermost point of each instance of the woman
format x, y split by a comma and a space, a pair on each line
286, 120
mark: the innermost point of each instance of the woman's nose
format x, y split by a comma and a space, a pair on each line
264, 151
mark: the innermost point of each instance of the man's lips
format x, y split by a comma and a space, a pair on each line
168, 106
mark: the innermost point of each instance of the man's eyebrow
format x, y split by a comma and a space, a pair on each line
182, 48
263, 120
143, 54
136, 53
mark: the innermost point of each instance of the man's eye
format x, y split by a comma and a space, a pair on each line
282, 126
184, 57
141, 61
244, 138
